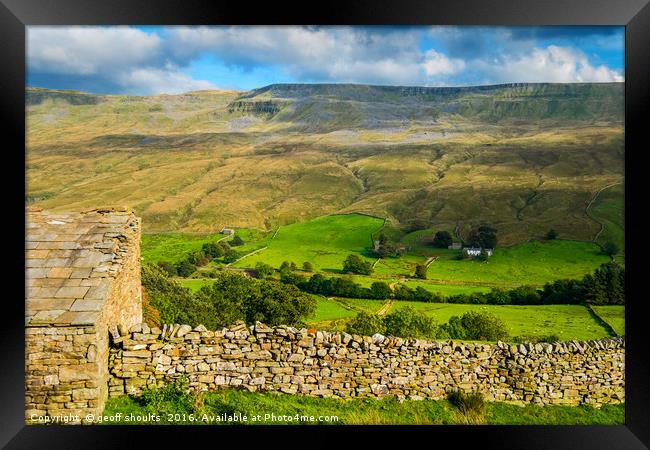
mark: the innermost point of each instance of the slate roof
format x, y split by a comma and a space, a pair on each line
71, 259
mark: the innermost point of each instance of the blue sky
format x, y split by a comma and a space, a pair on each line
153, 60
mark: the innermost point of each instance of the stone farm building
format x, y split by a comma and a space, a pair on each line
82, 275
227, 231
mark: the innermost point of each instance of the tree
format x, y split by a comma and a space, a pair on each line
354, 264
212, 249
185, 268
476, 326
230, 256
307, 266
485, 236
610, 248
168, 267
236, 241
442, 239
263, 270
551, 235
279, 304
366, 324
421, 271
380, 290
410, 323
175, 303
285, 267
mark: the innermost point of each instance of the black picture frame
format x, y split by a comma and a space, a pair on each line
15, 15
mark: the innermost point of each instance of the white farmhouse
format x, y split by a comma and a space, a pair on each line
476, 251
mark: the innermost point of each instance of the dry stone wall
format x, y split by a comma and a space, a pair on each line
340, 365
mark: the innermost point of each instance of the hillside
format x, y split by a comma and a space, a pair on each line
526, 157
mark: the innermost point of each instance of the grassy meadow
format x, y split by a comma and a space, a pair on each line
325, 242
291, 409
613, 315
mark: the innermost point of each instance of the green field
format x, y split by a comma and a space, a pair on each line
567, 322
325, 242
614, 315
194, 284
532, 263
350, 412
172, 247
609, 209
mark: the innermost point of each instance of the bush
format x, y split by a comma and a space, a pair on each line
442, 239
175, 303
263, 270
421, 271
485, 236
355, 264
230, 256
236, 241
467, 403
380, 290
168, 268
476, 326
235, 297
212, 250
307, 266
185, 268
366, 324
410, 323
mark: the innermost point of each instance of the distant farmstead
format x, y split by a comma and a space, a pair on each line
455, 246
475, 251
227, 231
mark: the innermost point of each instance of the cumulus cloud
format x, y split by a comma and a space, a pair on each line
550, 64
113, 56
89, 50
132, 60
148, 81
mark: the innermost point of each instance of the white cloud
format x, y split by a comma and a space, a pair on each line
438, 64
148, 81
89, 50
120, 55
550, 64
139, 62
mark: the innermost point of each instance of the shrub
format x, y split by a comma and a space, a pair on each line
230, 256
467, 403
366, 324
168, 267
410, 323
421, 271
212, 250
236, 241
355, 264
263, 270
476, 326
173, 398
185, 268
307, 266
279, 304
442, 239
485, 236
380, 290
175, 303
